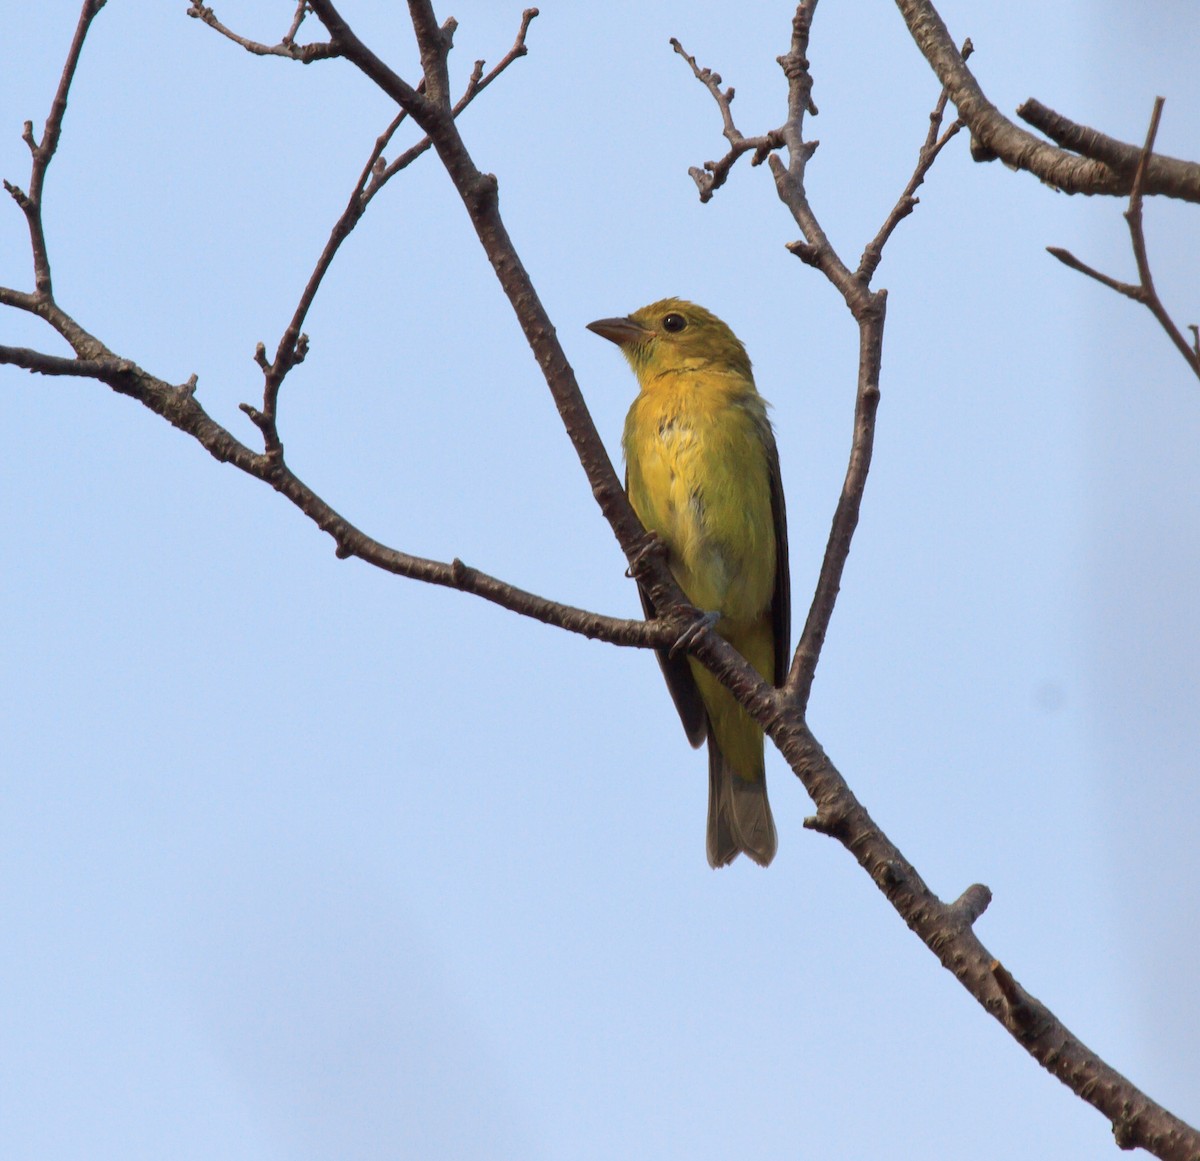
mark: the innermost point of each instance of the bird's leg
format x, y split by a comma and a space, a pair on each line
694, 632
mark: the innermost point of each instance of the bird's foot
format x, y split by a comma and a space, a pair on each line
694, 632
651, 542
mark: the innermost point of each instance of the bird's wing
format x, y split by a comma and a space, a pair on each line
681, 684
781, 599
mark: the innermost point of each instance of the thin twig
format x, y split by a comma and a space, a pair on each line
43, 151
1137, 234
293, 344
475, 85
478, 81
907, 202
297, 19
286, 47
1129, 289
714, 174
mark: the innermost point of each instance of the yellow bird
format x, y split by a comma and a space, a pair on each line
702, 472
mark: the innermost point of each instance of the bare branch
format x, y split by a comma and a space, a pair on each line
1167, 176
293, 344
1143, 290
43, 151
478, 192
868, 309
1068, 259
713, 175
1107, 166
478, 81
297, 20
287, 46
179, 406
907, 201
1133, 216
846, 514
106, 370
1086, 160
945, 928
816, 249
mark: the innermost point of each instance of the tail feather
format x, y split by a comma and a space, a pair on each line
739, 815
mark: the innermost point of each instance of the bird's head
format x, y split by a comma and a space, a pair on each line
674, 335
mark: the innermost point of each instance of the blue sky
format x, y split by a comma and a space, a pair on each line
298, 860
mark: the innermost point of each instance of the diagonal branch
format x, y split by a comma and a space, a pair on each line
946, 929
43, 152
908, 201
179, 407
479, 194
293, 344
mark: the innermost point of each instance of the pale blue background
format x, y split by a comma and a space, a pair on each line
299, 860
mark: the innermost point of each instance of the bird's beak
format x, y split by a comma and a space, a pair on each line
622, 331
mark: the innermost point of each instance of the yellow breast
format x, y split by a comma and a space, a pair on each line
699, 478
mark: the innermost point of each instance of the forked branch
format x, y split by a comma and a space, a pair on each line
713, 174
286, 46
1144, 290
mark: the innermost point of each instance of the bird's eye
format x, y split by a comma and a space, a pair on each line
674, 323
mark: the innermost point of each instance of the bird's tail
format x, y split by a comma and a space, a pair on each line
739, 815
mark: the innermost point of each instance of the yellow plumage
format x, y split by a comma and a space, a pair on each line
703, 474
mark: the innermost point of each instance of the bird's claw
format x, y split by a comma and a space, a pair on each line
694, 632
652, 542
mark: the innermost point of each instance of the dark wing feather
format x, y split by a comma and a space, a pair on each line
681, 684
781, 600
